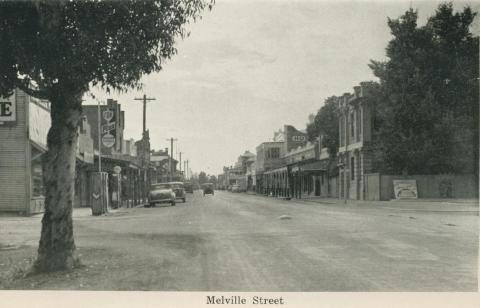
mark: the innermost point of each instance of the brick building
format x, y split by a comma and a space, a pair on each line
355, 151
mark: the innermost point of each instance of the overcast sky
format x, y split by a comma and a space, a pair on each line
251, 66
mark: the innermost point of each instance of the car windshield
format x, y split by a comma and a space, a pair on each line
160, 186
175, 186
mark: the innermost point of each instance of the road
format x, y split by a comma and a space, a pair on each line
239, 242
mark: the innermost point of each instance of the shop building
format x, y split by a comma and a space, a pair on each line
24, 125
272, 174
127, 162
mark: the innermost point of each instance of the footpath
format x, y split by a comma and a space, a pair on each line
430, 205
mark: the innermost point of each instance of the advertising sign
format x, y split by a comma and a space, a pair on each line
108, 114
108, 127
40, 122
405, 189
8, 113
108, 140
117, 169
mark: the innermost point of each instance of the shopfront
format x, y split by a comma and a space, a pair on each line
23, 142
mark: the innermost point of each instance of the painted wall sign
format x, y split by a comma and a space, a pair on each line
8, 112
405, 189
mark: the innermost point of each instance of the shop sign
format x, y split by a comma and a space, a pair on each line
108, 114
108, 127
108, 140
405, 189
299, 138
8, 110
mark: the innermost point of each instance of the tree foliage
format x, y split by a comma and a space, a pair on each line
325, 123
56, 50
75, 43
427, 115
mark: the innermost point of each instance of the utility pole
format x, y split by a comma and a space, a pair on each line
188, 170
99, 138
170, 157
180, 162
144, 99
185, 169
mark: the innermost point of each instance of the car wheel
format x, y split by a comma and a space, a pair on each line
184, 200
173, 203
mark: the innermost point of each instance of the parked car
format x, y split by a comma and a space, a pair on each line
188, 187
207, 188
236, 188
179, 190
160, 193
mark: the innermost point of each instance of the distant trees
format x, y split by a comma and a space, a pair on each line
427, 115
202, 178
213, 179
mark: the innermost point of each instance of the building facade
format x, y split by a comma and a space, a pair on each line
23, 135
355, 151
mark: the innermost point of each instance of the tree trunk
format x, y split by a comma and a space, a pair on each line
56, 249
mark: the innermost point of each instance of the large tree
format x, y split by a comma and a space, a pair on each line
56, 50
427, 116
325, 123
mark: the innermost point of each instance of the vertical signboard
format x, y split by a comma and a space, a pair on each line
108, 140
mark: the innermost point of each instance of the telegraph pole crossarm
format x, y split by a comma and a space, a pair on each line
144, 99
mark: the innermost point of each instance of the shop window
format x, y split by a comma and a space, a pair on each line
352, 167
340, 131
352, 126
273, 153
38, 189
359, 124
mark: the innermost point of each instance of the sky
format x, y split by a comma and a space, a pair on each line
251, 66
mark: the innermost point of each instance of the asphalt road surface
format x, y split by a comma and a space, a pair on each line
239, 242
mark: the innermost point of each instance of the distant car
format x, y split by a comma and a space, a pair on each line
188, 187
179, 190
160, 193
208, 189
236, 188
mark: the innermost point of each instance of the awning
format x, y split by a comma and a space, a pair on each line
278, 170
318, 166
315, 166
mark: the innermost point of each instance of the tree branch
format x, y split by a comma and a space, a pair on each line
35, 93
